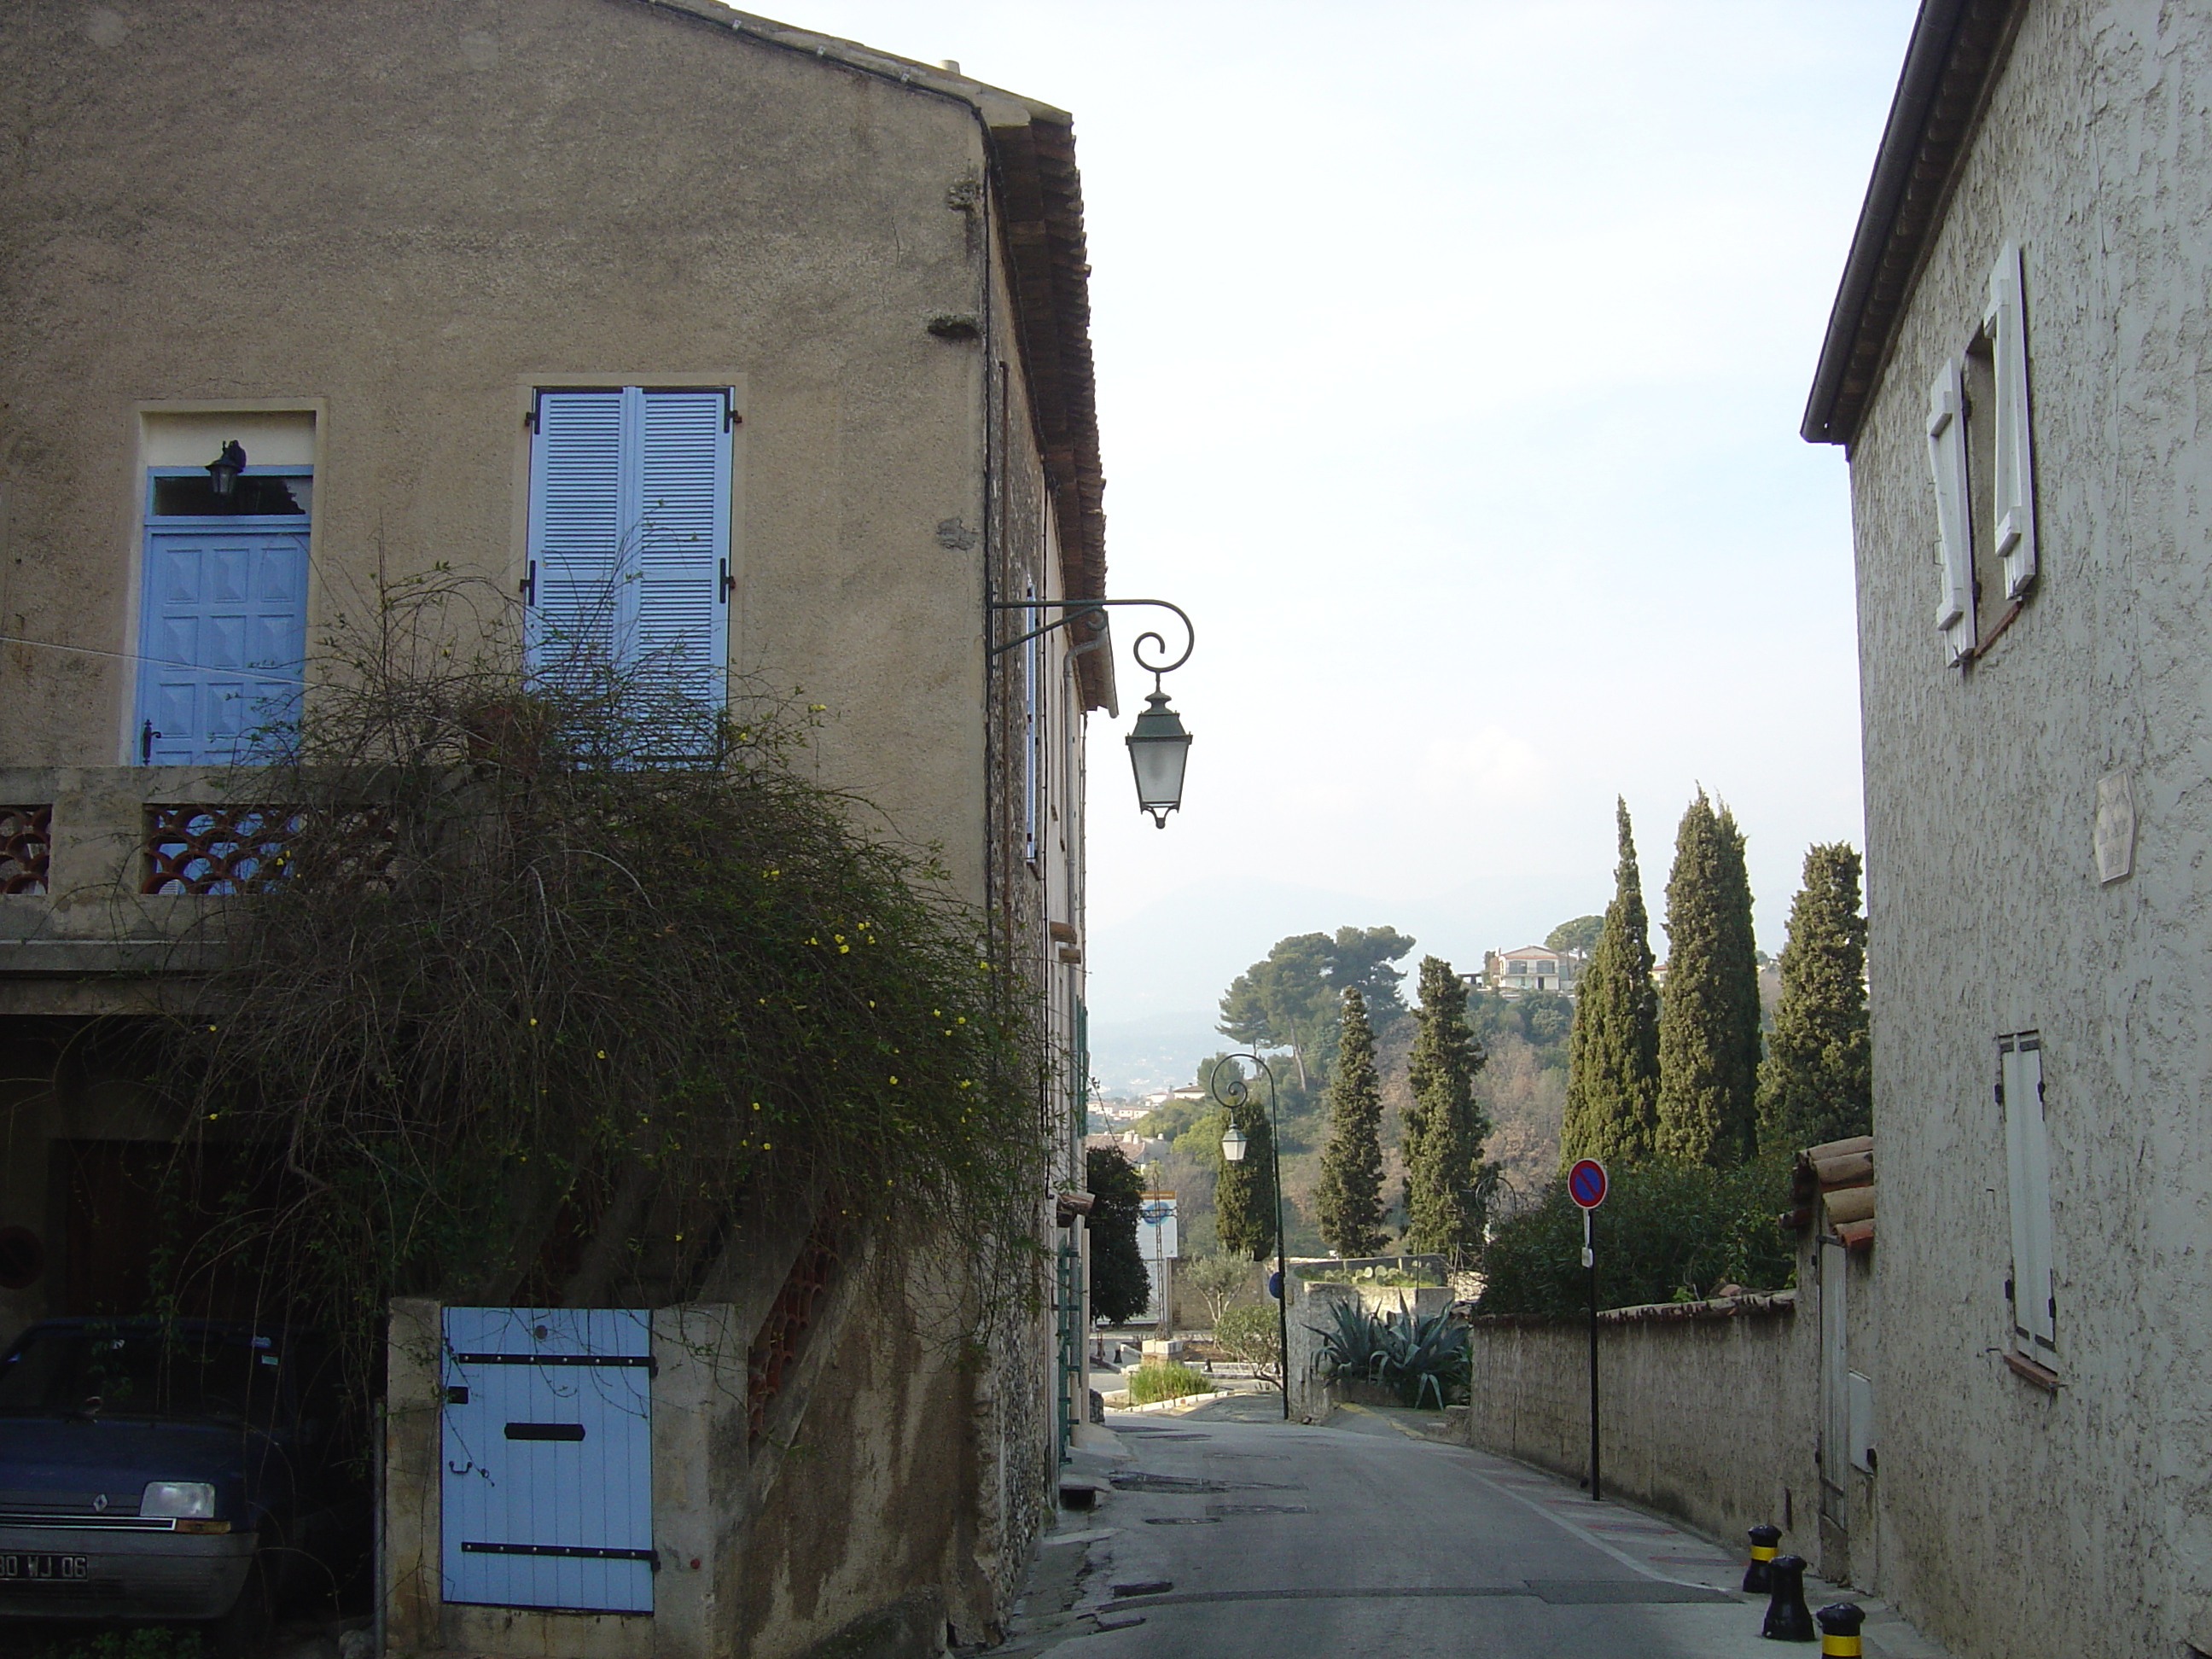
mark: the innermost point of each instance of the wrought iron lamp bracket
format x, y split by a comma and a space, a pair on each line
1077, 610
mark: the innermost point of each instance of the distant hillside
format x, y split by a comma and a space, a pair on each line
1160, 1051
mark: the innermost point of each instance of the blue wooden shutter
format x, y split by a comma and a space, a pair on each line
580, 611
683, 499
547, 1491
222, 639
629, 531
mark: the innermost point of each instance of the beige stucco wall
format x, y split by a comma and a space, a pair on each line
1708, 1419
404, 217
2015, 1521
363, 230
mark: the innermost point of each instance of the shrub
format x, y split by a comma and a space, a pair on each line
1422, 1359
1164, 1380
1664, 1235
564, 969
1252, 1333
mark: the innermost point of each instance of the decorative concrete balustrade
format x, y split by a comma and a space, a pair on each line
119, 871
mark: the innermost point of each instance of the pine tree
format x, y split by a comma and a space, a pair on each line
1447, 1185
1816, 1083
1613, 1053
1709, 1012
1119, 1286
1244, 1192
1349, 1199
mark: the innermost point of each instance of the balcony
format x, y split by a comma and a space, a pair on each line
112, 872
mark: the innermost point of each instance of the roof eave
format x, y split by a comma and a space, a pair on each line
1032, 151
1957, 48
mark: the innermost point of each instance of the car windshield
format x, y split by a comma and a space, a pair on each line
178, 1374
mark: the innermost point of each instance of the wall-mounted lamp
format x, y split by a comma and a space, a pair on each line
1159, 747
223, 470
1159, 750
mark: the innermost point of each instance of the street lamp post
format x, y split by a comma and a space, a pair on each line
1234, 1143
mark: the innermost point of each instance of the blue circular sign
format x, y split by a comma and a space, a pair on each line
1586, 1182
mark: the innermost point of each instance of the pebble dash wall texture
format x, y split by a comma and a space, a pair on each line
2018, 1521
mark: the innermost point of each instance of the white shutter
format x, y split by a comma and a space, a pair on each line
576, 530
683, 538
1947, 461
2027, 1160
630, 531
2013, 499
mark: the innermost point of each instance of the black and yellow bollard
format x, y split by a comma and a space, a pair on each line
1840, 1628
1763, 1540
1787, 1618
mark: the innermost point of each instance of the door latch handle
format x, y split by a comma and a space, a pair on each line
146, 736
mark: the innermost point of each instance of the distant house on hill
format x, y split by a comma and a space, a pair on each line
1531, 968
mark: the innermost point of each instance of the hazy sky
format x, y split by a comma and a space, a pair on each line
1451, 359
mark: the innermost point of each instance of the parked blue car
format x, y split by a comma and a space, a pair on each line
182, 1470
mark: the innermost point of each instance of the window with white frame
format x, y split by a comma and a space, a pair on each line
1981, 459
2027, 1171
629, 535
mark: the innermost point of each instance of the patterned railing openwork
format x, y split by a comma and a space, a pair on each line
250, 849
218, 849
783, 1333
26, 841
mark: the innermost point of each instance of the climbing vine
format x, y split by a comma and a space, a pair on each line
559, 968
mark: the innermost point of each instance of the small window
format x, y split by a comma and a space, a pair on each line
1981, 458
191, 495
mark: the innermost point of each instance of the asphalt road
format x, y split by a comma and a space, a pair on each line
1228, 1535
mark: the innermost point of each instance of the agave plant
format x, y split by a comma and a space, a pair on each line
1414, 1357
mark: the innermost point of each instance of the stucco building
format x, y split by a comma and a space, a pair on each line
2015, 364
475, 284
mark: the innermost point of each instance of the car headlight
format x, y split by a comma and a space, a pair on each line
185, 1500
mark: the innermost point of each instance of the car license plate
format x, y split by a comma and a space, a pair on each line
27, 1569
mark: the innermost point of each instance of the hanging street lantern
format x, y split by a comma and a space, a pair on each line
1233, 1143
1159, 750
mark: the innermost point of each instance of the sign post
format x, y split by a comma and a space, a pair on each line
1587, 1185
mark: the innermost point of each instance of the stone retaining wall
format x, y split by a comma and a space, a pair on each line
1707, 1409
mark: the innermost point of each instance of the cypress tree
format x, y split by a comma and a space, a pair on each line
1447, 1186
1243, 1193
1708, 1011
1816, 1083
1348, 1201
1612, 1052
1120, 1284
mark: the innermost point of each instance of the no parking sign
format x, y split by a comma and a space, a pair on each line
1586, 1182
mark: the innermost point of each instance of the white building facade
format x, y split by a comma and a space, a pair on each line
2015, 366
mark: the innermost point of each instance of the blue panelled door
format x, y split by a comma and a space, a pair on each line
222, 635
548, 1443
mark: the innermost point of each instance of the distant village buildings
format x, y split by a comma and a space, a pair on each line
1531, 968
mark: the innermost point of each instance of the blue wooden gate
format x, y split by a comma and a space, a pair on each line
548, 1444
